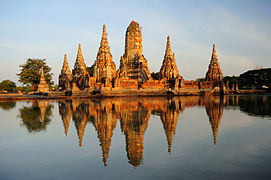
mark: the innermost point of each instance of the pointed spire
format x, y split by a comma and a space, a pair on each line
168, 48
214, 56
80, 63
79, 54
79, 50
169, 68
104, 47
214, 72
65, 67
65, 58
42, 77
104, 32
65, 63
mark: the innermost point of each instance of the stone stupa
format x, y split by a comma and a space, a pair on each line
214, 72
43, 86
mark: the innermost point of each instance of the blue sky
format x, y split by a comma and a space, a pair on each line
47, 29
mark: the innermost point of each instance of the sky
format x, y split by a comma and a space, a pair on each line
48, 29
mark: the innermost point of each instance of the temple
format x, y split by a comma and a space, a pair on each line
104, 67
80, 76
169, 70
133, 75
214, 72
133, 64
65, 76
43, 86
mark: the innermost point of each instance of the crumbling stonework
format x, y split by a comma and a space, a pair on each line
65, 76
43, 86
80, 76
169, 70
133, 73
133, 64
214, 72
104, 67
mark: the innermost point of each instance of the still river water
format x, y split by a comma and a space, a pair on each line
137, 138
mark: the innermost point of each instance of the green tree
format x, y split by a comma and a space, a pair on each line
232, 80
7, 85
30, 72
256, 78
26, 88
200, 79
155, 75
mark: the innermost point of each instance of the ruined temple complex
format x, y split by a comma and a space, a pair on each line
133, 73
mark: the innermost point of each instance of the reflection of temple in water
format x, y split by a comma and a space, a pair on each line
105, 121
169, 119
134, 118
214, 109
134, 115
65, 113
36, 117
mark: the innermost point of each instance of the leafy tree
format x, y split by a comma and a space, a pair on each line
26, 88
31, 71
256, 78
232, 80
155, 75
7, 85
200, 79
91, 70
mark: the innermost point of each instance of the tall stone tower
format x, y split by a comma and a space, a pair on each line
133, 64
65, 76
104, 67
43, 86
169, 68
214, 72
80, 76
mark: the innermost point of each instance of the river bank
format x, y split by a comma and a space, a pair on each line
124, 93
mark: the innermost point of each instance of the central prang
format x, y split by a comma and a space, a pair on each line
133, 64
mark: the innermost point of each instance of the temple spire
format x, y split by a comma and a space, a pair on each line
169, 68
42, 78
80, 63
214, 56
104, 37
214, 72
168, 48
79, 53
104, 47
65, 67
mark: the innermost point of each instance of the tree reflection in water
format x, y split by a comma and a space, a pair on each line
7, 105
37, 117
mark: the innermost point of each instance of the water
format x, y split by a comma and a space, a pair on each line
137, 138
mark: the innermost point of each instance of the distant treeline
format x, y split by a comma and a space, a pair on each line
260, 78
